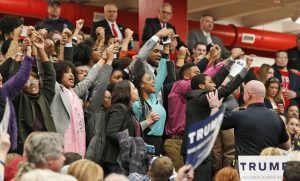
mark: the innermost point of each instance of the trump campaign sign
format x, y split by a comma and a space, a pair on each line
262, 168
202, 137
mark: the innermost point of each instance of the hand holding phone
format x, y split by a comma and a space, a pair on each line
280, 108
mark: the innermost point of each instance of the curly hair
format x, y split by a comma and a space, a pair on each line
63, 67
9, 23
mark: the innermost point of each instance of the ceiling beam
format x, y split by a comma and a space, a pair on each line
124, 4
267, 17
196, 5
238, 10
290, 27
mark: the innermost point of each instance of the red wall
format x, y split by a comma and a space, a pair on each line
179, 19
266, 42
147, 9
37, 9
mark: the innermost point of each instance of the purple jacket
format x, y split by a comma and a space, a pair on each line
9, 90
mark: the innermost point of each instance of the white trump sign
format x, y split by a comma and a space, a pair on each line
262, 168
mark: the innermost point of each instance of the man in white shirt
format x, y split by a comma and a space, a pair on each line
110, 23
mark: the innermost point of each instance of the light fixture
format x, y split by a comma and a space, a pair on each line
298, 20
277, 1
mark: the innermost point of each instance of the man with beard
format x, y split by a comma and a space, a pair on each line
290, 81
292, 111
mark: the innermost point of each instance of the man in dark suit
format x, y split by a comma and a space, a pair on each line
109, 24
153, 25
204, 35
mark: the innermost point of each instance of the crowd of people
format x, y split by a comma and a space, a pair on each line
83, 108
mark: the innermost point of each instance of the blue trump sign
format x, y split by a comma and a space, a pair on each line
202, 136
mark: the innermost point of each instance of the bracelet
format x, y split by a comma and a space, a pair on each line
20, 54
2, 163
214, 106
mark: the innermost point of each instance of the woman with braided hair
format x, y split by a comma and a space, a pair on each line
148, 104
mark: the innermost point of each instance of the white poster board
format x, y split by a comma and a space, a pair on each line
262, 168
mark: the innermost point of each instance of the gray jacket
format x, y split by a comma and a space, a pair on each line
95, 117
198, 36
61, 107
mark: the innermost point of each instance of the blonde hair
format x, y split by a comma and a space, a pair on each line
86, 170
227, 174
294, 156
161, 168
263, 72
270, 151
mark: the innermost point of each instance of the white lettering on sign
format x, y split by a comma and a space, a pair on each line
203, 132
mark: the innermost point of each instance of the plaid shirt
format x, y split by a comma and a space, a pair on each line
138, 177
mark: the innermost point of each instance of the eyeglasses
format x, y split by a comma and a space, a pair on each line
33, 82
